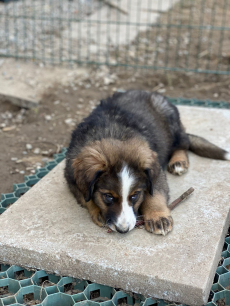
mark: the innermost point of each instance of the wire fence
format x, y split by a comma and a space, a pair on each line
176, 35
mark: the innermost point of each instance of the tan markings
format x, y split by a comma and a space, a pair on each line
134, 192
95, 213
103, 154
179, 155
114, 194
98, 155
156, 214
179, 162
89, 161
100, 203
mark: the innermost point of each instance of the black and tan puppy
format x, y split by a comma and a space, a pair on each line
117, 156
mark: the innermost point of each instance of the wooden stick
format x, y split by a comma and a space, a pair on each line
181, 198
115, 6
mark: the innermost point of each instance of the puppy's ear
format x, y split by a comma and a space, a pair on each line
87, 167
149, 181
152, 171
90, 188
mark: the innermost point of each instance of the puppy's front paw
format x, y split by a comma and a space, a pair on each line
158, 223
178, 168
97, 217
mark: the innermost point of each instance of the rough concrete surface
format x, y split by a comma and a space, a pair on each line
46, 229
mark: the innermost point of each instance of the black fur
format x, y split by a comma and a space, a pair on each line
134, 113
91, 186
149, 181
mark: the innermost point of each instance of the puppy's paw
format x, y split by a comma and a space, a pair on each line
159, 223
97, 217
178, 168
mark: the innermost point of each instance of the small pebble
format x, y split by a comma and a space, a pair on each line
14, 158
9, 128
24, 152
108, 81
32, 171
48, 117
56, 102
45, 159
161, 90
69, 121
22, 172
29, 146
37, 151
29, 168
216, 95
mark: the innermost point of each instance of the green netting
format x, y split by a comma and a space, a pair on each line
176, 35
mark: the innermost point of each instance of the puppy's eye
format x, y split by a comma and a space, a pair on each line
108, 198
133, 198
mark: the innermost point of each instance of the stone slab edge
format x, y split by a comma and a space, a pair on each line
19, 101
67, 265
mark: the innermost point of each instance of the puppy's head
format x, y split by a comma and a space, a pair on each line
115, 175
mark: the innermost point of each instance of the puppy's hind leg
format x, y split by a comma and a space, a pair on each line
178, 163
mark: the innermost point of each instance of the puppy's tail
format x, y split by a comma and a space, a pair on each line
204, 148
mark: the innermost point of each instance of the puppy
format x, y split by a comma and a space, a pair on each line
117, 157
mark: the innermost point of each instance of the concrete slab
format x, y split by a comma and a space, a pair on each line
46, 229
24, 83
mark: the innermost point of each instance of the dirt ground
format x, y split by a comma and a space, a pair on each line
29, 137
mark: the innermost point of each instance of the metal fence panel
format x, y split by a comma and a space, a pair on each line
176, 35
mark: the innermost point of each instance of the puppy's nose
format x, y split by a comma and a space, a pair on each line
122, 230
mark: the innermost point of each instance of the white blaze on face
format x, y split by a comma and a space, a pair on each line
227, 156
126, 219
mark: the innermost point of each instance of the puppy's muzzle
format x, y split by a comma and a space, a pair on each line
122, 230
